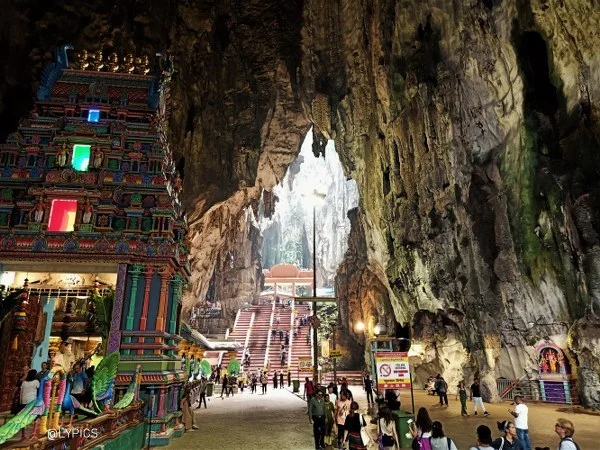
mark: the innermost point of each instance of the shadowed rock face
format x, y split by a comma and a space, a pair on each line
469, 126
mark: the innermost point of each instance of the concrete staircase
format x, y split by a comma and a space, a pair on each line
257, 343
285, 321
299, 346
253, 329
238, 334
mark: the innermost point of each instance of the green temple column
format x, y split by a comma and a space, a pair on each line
177, 281
135, 272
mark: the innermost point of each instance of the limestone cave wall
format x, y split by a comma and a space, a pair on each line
470, 126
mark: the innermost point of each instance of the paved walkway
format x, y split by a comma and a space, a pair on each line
278, 421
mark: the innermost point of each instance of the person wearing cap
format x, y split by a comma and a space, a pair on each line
484, 438
565, 430
509, 440
316, 416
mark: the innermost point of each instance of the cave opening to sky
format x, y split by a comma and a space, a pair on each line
288, 234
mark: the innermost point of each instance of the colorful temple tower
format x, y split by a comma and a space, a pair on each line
88, 191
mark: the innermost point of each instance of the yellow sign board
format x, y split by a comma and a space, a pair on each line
305, 364
335, 353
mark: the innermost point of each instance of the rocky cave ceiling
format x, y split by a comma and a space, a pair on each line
470, 126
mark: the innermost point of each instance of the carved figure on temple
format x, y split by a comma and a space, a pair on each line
138, 64
88, 211
98, 61
61, 156
37, 213
82, 60
113, 62
177, 182
98, 158
129, 63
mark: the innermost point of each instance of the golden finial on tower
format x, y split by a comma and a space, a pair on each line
113, 62
145, 69
128, 63
98, 61
83, 60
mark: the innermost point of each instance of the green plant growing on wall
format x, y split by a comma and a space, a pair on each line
328, 316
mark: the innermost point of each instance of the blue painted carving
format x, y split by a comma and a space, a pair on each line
52, 72
70, 246
39, 245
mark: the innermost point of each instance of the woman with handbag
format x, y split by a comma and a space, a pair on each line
387, 426
353, 429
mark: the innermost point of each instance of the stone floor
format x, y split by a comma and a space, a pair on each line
278, 420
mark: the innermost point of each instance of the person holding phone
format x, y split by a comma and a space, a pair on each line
520, 414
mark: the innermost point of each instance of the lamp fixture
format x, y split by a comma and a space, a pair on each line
359, 326
380, 329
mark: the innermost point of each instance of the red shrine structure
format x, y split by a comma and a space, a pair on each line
92, 227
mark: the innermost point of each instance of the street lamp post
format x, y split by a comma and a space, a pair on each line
333, 332
315, 197
314, 303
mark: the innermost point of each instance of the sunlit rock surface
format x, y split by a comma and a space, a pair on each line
470, 127
288, 233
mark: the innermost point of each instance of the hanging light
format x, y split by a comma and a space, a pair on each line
380, 329
359, 326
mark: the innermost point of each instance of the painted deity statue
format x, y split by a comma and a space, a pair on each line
61, 157
38, 211
88, 211
98, 158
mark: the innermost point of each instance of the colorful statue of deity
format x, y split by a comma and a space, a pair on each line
61, 157
37, 213
88, 211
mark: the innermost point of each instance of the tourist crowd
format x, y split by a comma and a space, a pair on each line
337, 422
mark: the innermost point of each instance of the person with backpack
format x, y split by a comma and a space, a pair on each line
565, 430
441, 387
484, 439
421, 430
509, 441
439, 441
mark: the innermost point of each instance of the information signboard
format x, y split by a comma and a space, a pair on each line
393, 370
305, 364
335, 353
